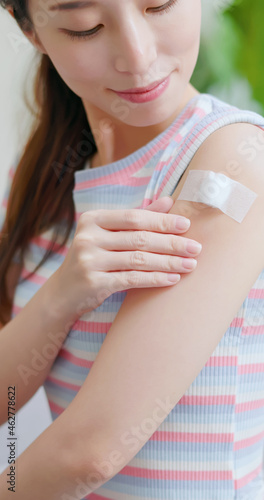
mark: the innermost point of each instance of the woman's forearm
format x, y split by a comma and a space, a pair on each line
54, 467
30, 342
46, 470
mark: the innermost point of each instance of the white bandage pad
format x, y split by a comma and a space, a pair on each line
218, 191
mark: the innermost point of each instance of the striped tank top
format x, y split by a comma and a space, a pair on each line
210, 446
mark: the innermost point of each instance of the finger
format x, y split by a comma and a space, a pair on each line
145, 261
149, 242
135, 219
139, 279
161, 205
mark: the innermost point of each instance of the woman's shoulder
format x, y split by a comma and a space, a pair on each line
236, 151
231, 133
238, 142
225, 140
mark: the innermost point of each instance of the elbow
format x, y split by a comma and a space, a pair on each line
95, 471
88, 479
95, 468
88, 469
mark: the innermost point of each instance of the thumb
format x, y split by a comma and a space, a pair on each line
161, 205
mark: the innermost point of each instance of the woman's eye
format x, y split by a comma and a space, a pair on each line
167, 6
85, 35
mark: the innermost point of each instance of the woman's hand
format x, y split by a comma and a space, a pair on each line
114, 250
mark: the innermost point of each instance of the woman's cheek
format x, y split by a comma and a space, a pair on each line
82, 76
187, 28
185, 40
74, 61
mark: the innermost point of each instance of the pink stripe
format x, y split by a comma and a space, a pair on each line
222, 361
256, 293
207, 400
237, 323
249, 405
138, 164
43, 243
56, 381
187, 148
168, 475
245, 443
92, 326
147, 201
250, 368
35, 278
74, 359
110, 179
55, 408
131, 181
253, 330
16, 309
191, 437
244, 481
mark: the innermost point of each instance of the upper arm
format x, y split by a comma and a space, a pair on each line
162, 338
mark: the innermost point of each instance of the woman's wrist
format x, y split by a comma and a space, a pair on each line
58, 303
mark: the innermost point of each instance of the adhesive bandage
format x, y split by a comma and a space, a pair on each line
218, 191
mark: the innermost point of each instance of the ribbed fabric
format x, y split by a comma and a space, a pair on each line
210, 446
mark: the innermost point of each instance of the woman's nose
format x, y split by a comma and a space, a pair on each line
136, 50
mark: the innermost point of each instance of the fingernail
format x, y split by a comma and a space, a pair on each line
174, 277
189, 263
182, 223
193, 247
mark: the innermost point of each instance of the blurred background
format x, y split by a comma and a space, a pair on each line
230, 66
231, 60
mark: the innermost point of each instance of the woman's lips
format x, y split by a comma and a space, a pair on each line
141, 90
145, 96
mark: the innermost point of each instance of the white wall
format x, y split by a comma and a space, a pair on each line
16, 61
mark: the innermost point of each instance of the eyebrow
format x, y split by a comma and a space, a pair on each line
81, 4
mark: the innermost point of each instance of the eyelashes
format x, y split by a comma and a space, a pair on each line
85, 35
165, 8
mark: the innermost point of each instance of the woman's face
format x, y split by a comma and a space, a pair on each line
133, 43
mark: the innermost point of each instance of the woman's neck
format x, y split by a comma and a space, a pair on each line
107, 154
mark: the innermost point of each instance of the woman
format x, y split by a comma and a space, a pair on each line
172, 406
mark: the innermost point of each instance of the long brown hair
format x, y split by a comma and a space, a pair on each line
41, 191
